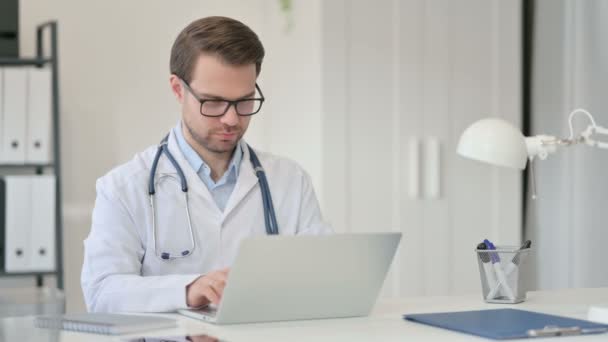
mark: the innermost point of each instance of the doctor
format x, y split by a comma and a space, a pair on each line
167, 225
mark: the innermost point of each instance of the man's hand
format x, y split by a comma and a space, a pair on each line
207, 289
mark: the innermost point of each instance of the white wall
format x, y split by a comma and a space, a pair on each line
398, 78
115, 98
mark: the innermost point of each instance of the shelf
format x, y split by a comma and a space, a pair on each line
25, 165
44, 58
24, 274
24, 61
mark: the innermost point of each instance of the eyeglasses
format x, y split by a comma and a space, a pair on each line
219, 107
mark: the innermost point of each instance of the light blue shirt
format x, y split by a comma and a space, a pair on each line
220, 190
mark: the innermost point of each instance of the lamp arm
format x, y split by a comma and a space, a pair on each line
592, 129
571, 117
595, 130
542, 145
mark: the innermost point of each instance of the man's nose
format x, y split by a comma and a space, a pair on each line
230, 118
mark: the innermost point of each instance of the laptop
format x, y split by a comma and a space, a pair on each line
282, 278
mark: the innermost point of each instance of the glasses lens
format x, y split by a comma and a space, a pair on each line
248, 107
214, 107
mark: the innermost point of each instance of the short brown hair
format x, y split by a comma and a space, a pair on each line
229, 39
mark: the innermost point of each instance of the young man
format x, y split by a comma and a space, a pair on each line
167, 225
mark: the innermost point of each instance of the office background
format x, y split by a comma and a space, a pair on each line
370, 97
570, 71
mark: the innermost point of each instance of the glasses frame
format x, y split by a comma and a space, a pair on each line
230, 102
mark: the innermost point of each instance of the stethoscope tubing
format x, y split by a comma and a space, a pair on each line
270, 220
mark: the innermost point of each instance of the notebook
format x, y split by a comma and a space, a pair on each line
502, 324
104, 323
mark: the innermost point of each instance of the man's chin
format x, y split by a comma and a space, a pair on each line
223, 147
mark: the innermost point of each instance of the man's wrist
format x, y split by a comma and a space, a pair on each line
190, 294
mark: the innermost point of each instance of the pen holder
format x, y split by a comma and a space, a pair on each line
501, 272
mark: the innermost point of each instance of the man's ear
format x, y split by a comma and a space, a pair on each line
177, 88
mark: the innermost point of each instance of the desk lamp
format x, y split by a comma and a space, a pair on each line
497, 142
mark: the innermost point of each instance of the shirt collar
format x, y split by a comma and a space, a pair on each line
197, 162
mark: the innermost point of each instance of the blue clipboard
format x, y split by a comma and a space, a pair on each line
504, 324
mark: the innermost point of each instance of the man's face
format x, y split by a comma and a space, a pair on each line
213, 79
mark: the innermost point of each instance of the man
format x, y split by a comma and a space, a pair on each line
174, 250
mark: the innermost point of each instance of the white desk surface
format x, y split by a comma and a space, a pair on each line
384, 324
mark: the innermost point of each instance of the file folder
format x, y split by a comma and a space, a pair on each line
16, 198
1, 106
27, 205
14, 115
42, 225
39, 103
502, 324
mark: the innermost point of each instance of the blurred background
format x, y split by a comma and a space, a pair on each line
370, 97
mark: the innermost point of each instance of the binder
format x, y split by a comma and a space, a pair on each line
502, 324
1, 106
39, 105
42, 226
3, 242
16, 199
14, 115
28, 223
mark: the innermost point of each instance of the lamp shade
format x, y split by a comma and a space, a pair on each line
494, 141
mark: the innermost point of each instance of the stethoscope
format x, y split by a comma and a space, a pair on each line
269, 216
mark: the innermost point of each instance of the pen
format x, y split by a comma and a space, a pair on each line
502, 279
516, 259
513, 264
487, 265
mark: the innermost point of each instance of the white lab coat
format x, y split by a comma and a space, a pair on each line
121, 271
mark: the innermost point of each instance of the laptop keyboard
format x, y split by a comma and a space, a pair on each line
208, 310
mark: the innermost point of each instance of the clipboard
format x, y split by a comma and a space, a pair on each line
504, 324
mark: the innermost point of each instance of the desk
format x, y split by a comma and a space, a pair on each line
384, 324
